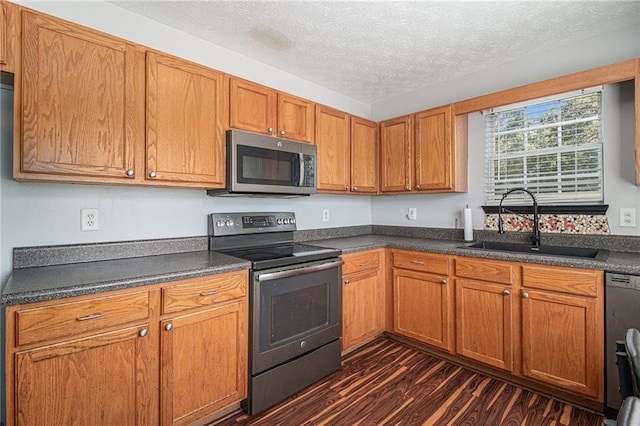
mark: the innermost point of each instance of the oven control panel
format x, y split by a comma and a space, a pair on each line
221, 224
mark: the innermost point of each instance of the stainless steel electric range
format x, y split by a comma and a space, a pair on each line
295, 303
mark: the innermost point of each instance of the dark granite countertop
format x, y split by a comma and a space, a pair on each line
32, 284
620, 262
52, 282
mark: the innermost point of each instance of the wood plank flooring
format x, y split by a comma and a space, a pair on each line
388, 383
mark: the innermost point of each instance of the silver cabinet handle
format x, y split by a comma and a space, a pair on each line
407, 187
282, 132
346, 187
130, 173
209, 293
525, 295
143, 332
90, 317
443, 282
355, 188
506, 292
363, 264
270, 130
152, 175
346, 281
417, 262
168, 327
417, 186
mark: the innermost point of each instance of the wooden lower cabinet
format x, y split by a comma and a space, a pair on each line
484, 322
423, 301
173, 353
99, 380
562, 341
203, 363
362, 298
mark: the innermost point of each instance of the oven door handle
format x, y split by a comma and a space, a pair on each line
300, 271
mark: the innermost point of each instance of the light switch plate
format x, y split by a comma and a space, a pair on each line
628, 217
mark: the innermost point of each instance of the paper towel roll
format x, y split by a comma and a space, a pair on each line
468, 224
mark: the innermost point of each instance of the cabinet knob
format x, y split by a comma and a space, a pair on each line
168, 327
282, 132
355, 188
143, 332
346, 281
506, 292
270, 130
443, 282
417, 186
130, 172
346, 187
407, 187
525, 295
152, 174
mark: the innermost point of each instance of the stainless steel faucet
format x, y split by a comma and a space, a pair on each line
535, 237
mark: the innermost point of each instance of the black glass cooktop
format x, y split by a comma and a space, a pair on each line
265, 257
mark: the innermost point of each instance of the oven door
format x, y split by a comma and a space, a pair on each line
294, 310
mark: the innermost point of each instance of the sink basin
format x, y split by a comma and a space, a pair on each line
585, 253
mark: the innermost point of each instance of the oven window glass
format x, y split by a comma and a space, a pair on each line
296, 313
267, 167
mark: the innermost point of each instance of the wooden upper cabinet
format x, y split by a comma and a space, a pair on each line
186, 115
396, 153
252, 107
332, 140
364, 155
295, 118
260, 109
433, 150
78, 103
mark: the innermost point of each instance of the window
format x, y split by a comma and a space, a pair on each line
552, 147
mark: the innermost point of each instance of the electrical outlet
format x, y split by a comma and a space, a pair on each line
413, 213
89, 220
325, 215
628, 217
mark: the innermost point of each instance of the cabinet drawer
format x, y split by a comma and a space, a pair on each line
424, 262
71, 319
204, 291
356, 262
583, 282
485, 270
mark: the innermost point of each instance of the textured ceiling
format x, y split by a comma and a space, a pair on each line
373, 50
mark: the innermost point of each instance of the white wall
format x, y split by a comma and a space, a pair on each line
441, 210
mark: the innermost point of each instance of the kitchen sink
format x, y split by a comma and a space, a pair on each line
585, 253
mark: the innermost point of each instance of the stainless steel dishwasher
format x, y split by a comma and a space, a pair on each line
622, 311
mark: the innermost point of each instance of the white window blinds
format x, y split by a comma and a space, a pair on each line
551, 147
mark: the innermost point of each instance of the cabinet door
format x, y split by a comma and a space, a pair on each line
483, 322
422, 307
295, 118
433, 150
364, 155
332, 140
101, 380
252, 107
396, 154
78, 102
203, 363
362, 307
185, 122
562, 341
3, 40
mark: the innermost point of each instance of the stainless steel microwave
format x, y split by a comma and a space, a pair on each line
261, 165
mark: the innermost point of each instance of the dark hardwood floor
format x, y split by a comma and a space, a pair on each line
388, 383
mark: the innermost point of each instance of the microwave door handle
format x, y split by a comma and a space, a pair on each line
301, 179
